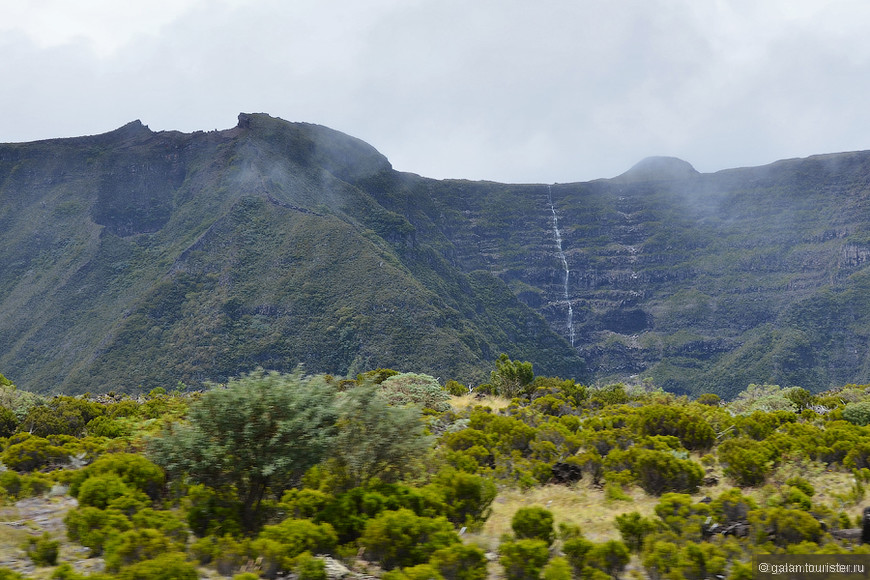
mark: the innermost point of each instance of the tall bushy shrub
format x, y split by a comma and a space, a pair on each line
415, 388
376, 439
511, 378
288, 419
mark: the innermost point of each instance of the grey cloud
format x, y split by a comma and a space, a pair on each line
503, 90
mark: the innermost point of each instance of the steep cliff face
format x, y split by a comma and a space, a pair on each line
136, 259
700, 281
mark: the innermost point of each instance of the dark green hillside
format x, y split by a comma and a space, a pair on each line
697, 280
137, 258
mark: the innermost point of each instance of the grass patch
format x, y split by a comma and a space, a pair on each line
581, 504
470, 401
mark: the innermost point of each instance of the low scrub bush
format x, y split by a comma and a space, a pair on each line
42, 551
460, 562
523, 559
534, 523
298, 536
401, 538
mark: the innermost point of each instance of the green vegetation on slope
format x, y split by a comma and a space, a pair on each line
137, 258
218, 483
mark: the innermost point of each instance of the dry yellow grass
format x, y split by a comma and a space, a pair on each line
581, 504
587, 506
470, 400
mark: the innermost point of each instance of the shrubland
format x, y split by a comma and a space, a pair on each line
387, 472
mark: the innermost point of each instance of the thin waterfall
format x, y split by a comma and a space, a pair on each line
557, 235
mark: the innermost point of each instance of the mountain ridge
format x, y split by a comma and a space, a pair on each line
137, 259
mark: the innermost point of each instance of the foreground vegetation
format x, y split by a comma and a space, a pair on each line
395, 475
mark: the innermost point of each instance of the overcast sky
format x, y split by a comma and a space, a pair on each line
504, 90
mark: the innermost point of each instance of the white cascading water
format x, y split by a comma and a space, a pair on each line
557, 235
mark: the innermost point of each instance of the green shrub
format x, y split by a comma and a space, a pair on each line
309, 568
60, 416
134, 470
165, 522
534, 523
378, 438
557, 569
298, 536
418, 389
375, 377
692, 429
135, 546
661, 559
857, 413
613, 394
10, 484
681, 515
455, 388
42, 551
212, 513
787, 526
34, 484
746, 461
711, 399
103, 426
32, 453
92, 527
742, 571
230, 554
66, 572
272, 557
802, 484
304, 503
170, 566
290, 417
349, 512
203, 550
658, 472
468, 497
610, 557
100, 490
576, 550
511, 378
418, 572
523, 559
731, 506
401, 538
460, 562
634, 528
794, 497
8, 422
125, 408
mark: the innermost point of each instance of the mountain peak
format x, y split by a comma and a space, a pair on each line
346, 157
132, 130
659, 169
